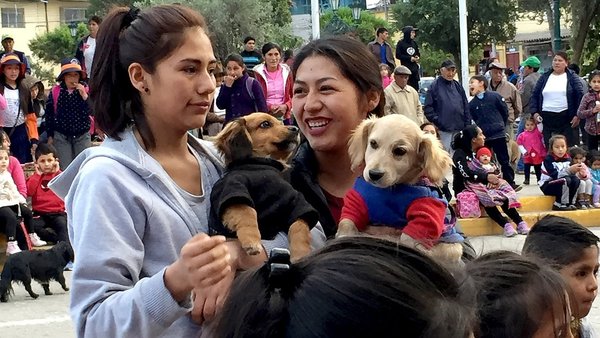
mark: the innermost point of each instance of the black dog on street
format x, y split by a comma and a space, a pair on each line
39, 265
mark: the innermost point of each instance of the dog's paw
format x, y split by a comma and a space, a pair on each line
4, 299
34, 295
65, 288
48, 293
252, 248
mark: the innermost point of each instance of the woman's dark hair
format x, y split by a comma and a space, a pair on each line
462, 140
96, 19
553, 139
437, 131
353, 59
515, 294
129, 36
270, 45
287, 54
558, 241
237, 58
354, 287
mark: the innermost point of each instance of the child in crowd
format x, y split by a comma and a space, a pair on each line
517, 297
38, 102
68, 114
430, 128
44, 201
572, 250
240, 95
559, 175
589, 109
386, 73
14, 166
531, 144
594, 165
13, 206
584, 193
216, 116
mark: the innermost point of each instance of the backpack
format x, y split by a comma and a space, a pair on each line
467, 205
249, 83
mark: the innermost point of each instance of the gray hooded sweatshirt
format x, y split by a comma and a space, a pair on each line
128, 221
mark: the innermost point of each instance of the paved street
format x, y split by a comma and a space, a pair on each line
47, 316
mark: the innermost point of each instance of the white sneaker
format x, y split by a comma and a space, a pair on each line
12, 247
35, 240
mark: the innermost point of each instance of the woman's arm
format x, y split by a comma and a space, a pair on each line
461, 163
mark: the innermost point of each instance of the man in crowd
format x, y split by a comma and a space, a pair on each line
508, 91
400, 98
446, 105
251, 56
382, 49
531, 75
407, 51
8, 43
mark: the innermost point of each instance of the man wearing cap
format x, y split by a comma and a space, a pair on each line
400, 98
382, 49
7, 43
446, 105
407, 51
531, 66
508, 91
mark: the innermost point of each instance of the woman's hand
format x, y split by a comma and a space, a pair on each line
209, 300
575, 122
493, 179
204, 261
228, 80
537, 117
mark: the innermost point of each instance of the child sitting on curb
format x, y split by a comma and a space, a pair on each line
558, 175
584, 193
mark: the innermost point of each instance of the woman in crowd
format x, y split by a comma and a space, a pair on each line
277, 82
86, 48
556, 99
337, 85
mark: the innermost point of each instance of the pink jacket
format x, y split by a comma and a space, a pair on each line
533, 143
16, 171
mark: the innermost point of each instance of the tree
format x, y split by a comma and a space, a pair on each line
50, 48
584, 12
364, 29
101, 7
437, 20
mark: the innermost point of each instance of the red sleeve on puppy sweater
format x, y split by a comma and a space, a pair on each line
425, 220
355, 209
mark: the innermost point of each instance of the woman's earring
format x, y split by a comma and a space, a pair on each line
146, 90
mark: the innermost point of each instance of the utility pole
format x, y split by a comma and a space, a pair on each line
557, 39
314, 16
46, 11
464, 44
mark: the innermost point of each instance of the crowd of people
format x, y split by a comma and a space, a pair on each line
138, 205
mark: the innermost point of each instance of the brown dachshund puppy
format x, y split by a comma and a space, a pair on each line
252, 200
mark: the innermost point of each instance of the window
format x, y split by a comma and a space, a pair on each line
13, 17
74, 15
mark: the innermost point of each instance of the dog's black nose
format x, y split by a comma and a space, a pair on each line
375, 175
292, 128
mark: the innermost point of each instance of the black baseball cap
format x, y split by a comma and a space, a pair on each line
448, 64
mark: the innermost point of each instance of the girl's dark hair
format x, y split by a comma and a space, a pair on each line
128, 36
96, 19
437, 131
270, 45
354, 287
592, 75
462, 140
287, 54
237, 58
593, 156
514, 294
553, 139
3, 137
558, 241
353, 59
574, 151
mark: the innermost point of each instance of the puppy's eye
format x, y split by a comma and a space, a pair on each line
373, 144
399, 151
265, 125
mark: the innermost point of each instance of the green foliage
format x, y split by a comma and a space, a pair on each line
431, 59
101, 7
229, 21
367, 25
438, 22
42, 72
57, 44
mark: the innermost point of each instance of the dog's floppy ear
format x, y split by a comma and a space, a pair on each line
234, 141
436, 161
357, 145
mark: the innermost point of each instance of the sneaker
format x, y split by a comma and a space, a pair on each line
560, 207
572, 207
12, 247
597, 205
69, 266
522, 228
581, 205
526, 182
509, 231
35, 240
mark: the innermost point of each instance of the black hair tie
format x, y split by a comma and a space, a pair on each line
279, 267
130, 17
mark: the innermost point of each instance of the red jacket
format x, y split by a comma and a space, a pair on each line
44, 200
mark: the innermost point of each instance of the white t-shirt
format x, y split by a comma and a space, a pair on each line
9, 116
555, 94
89, 49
